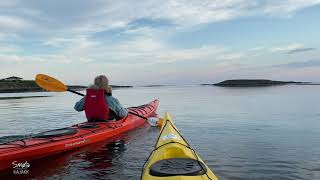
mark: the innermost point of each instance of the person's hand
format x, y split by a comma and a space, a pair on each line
109, 90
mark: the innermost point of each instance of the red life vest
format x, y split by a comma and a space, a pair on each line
95, 105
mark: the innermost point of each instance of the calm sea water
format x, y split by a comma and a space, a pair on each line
241, 133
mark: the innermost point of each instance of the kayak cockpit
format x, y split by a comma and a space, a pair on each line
177, 167
56, 133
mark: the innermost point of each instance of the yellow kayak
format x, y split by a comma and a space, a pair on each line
173, 158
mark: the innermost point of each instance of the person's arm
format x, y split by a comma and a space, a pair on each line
120, 110
79, 106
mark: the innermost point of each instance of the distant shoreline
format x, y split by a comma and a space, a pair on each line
155, 85
256, 83
21, 97
24, 86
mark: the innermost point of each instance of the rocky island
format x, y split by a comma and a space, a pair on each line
253, 83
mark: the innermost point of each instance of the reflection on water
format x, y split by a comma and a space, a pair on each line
21, 97
241, 133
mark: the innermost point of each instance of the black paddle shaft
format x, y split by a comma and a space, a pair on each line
75, 92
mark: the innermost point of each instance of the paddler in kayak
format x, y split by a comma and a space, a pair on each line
99, 104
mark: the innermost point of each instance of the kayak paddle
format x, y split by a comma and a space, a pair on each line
54, 85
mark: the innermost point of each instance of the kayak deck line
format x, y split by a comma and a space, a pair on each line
78, 135
173, 158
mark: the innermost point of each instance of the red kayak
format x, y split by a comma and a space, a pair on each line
61, 140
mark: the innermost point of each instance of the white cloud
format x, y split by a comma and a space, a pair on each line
57, 42
259, 48
13, 23
145, 51
288, 6
7, 49
17, 58
34, 60
288, 47
293, 48
141, 51
188, 12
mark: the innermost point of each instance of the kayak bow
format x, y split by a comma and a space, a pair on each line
173, 158
60, 140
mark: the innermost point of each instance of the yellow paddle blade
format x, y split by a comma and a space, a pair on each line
50, 83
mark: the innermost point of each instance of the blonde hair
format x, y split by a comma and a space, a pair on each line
101, 82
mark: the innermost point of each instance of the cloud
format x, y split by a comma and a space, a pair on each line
287, 48
304, 64
259, 48
7, 4
16, 58
62, 24
100, 15
8, 49
288, 6
13, 23
298, 50
57, 42
140, 51
153, 51
292, 48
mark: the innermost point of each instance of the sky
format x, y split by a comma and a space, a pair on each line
160, 42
